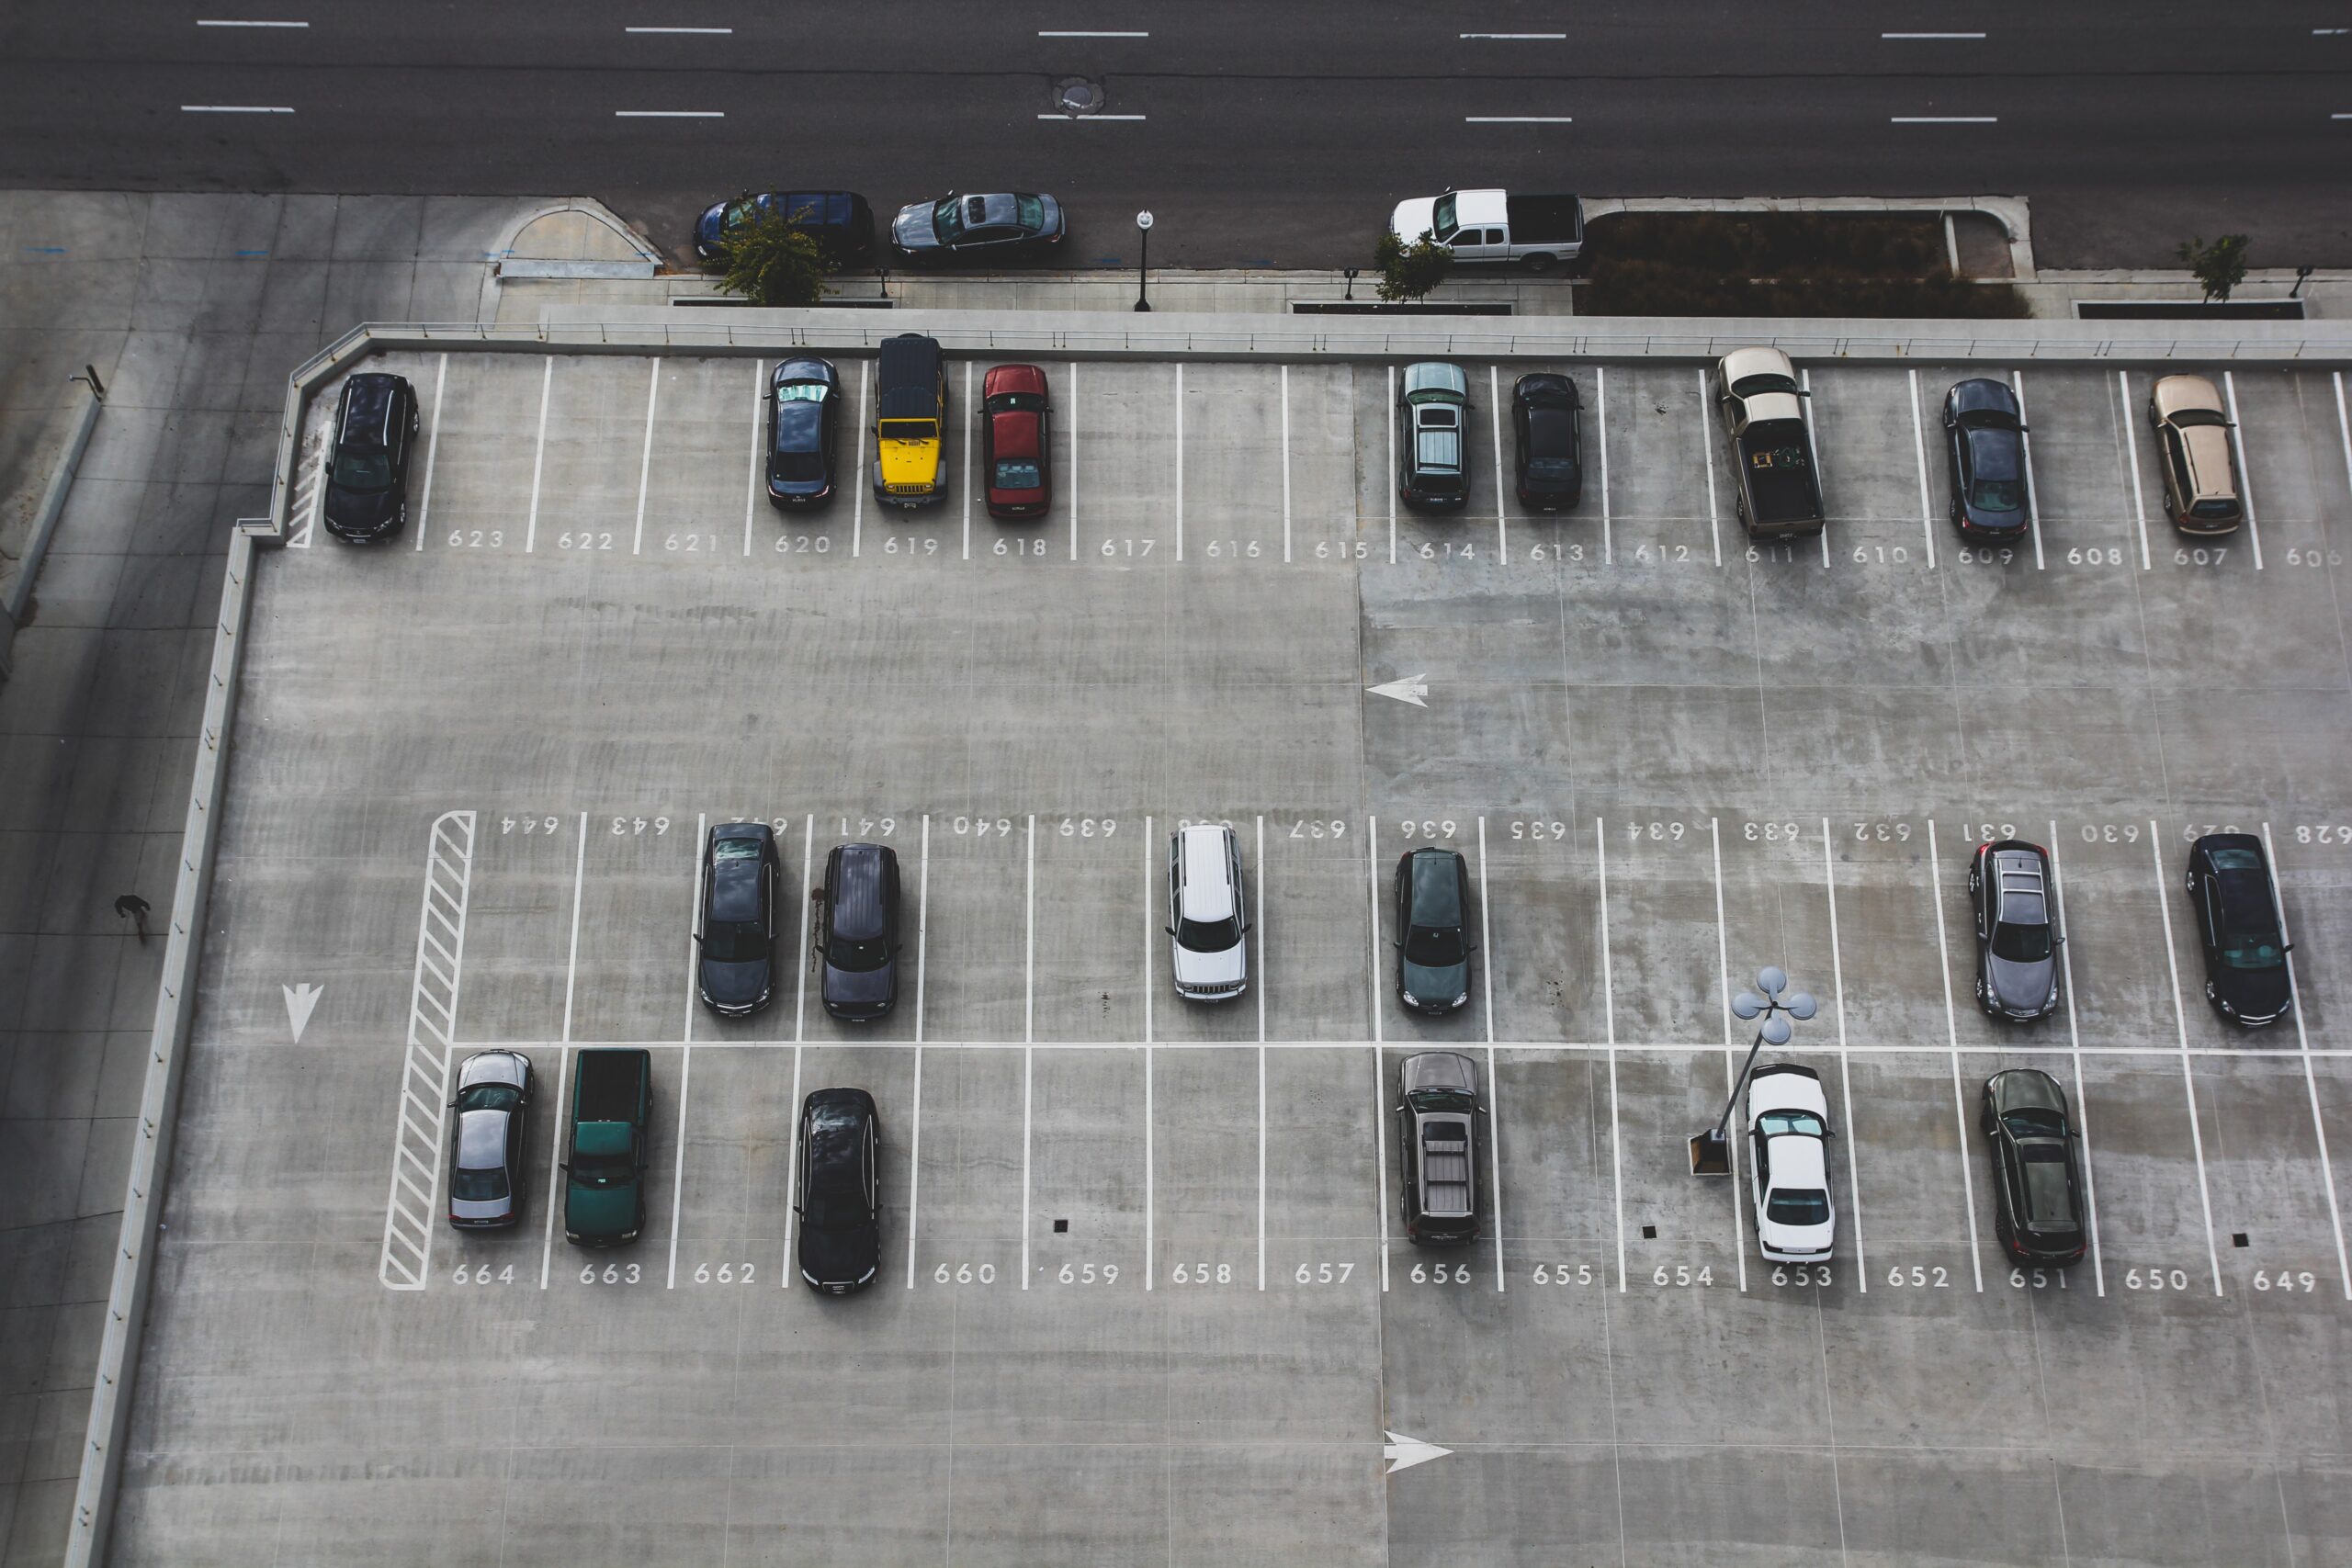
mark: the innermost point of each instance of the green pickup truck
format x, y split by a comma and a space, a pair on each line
603, 1190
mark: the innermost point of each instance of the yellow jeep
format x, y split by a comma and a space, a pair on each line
910, 422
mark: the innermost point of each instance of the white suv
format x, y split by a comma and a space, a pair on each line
1788, 1136
1205, 917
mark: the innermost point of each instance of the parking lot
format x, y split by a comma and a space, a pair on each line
1144, 1293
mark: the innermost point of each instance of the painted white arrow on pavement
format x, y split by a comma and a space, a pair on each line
299, 1002
1403, 1452
1413, 689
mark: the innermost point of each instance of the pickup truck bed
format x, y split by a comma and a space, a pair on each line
1544, 219
610, 1085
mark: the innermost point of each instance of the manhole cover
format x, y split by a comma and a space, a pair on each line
1076, 94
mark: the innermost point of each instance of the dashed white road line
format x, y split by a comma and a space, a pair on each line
1927, 506
554, 1163
539, 456
1845, 1064
1379, 1084
914, 1149
2188, 1078
759, 451
1519, 38
433, 443
1951, 1033
1086, 33
2246, 475
1079, 117
2131, 460
669, 114
1517, 119
1707, 461
1922, 37
685, 1031
2311, 1084
1943, 120
1600, 410
1731, 1046
697, 32
207, 22
572, 957
1494, 1077
2074, 1044
237, 108
2033, 491
645, 466
1609, 1014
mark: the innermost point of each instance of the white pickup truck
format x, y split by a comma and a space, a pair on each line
1496, 226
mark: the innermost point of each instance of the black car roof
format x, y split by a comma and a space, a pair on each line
1983, 395
857, 886
806, 369
1546, 390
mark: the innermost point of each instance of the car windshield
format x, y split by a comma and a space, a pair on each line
2187, 417
601, 1170
2021, 944
1208, 936
1802, 1124
490, 1097
1018, 473
1443, 1100
1032, 213
1433, 947
1757, 386
858, 957
1798, 1206
734, 941
362, 470
1441, 222
1997, 495
476, 1186
2034, 1123
740, 212
948, 218
802, 392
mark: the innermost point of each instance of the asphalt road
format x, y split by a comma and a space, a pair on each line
1269, 135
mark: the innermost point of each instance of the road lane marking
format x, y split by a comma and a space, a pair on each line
1951, 1033
571, 958
2311, 1084
1530, 37
1731, 1070
685, 1031
698, 32
1845, 1067
1087, 33
1927, 506
2074, 1044
413, 1198
1388, 415
2187, 1079
1072, 422
2131, 454
759, 450
800, 958
645, 465
1285, 472
1600, 406
1262, 1021
1379, 1084
1028, 1038
432, 444
1079, 116
791, 1179
973, 412
858, 491
1151, 936
2343, 430
1813, 450
1502, 524
1517, 119
1179, 459
669, 114
1609, 1014
914, 1154
2032, 492
555, 1164
539, 456
235, 108
1494, 1077
2246, 475
211, 23
1707, 460
1931, 36
1943, 120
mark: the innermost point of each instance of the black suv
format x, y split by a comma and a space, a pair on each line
1547, 420
2237, 921
803, 431
2037, 1178
1439, 1131
375, 434
2017, 930
1432, 922
735, 966
841, 1190
857, 932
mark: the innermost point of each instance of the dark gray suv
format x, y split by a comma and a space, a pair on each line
857, 932
2017, 930
1432, 931
1439, 1134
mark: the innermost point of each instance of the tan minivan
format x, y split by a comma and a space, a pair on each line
2193, 448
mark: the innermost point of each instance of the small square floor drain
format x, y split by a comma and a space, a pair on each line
2238, 1238
1649, 1233
1060, 1225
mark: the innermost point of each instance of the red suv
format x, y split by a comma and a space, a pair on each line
1015, 423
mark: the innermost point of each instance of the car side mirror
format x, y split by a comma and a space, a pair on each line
1170, 929
2289, 947
564, 1166
697, 936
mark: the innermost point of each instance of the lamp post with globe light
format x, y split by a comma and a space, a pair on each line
1711, 1150
1143, 258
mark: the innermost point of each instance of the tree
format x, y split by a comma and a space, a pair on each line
769, 262
2219, 267
1408, 272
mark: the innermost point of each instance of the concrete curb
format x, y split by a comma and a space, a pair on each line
43, 523
2013, 213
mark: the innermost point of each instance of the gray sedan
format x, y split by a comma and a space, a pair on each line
2017, 930
486, 1164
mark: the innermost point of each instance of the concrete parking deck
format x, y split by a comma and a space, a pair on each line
1144, 1295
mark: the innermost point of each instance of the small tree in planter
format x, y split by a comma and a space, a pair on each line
2219, 267
1409, 272
769, 262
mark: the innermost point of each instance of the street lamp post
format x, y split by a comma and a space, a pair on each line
1143, 258
1711, 1150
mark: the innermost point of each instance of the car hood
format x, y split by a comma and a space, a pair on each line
1436, 985
1412, 219
361, 510
859, 987
2019, 987
2255, 993
912, 229
707, 226
599, 1210
735, 985
1212, 968
840, 1254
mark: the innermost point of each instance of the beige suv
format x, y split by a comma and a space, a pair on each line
2193, 447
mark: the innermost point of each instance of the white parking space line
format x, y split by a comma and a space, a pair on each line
2132, 462
1150, 1197
2033, 491
539, 456
858, 482
1845, 1066
645, 465
555, 1164
1179, 459
2343, 432
1028, 1039
2246, 475
1600, 406
786, 1268
1072, 500
433, 443
1285, 490
759, 451
2311, 1084
1927, 506
2187, 1079
1951, 1033
1261, 989
971, 440
1379, 1085
1494, 1079
2074, 1044
1731, 1046
571, 958
1495, 428
1707, 462
1388, 482
685, 1031
1609, 1015
914, 1151
1812, 448
800, 954
315, 513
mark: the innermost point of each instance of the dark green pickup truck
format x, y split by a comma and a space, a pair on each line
603, 1190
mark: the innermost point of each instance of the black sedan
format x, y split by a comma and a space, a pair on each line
2038, 1209
1005, 227
841, 1190
375, 435
1984, 450
803, 431
1547, 420
2236, 910
741, 870
857, 932
486, 1166
2016, 929
1432, 931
